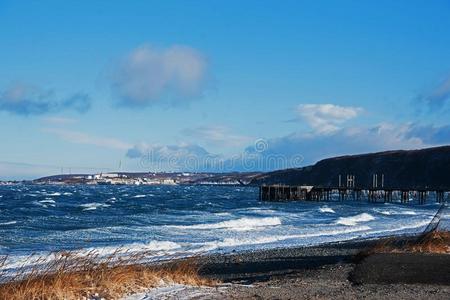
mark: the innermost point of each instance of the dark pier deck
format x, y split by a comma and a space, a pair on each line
312, 193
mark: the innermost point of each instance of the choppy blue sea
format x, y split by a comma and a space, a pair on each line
183, 220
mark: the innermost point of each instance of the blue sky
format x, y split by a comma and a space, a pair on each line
217, 85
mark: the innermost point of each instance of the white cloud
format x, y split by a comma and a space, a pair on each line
149, 76
77, 137
326, 118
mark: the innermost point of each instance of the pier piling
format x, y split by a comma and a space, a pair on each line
373, 194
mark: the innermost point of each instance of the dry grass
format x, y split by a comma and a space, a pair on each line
433, 242
72, 276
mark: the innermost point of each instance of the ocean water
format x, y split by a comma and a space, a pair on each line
174, 221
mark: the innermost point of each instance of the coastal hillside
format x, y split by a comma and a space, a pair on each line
402, 169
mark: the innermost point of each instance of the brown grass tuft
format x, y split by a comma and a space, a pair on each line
72, 276
433, 242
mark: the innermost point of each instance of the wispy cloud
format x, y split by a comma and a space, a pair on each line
343, 141
217, 135
59, 120
326, 118
381, 137
149, 76
26, 100
20, 171
438, 97
430, 134
78, 137
293, 150
182, 157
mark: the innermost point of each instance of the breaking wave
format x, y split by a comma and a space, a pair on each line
326, 209
47, 201
233, 242
139, 196
354, 220
93, 206
40, 258
243, 224
393, 212
9, 223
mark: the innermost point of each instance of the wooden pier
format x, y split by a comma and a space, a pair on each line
385, 195
350, 191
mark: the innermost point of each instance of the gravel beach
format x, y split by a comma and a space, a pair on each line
321, 272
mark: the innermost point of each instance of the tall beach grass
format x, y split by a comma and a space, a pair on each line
74, 276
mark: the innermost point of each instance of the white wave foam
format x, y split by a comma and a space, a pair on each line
354, 220
260, 210
243, 224
393, 212
54, 194
158, 247
326, 209
44, 204
222, 214
47, 201
403, 227
93, 206
139, 196
234, 242
9, 223
67, 194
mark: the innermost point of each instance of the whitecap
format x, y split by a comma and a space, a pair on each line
47, 201
9, 223
54, 194
263, 211
393, 212
43, 204
93, 206
233, 242
39, 258
139, 196
353, 220
222, 214
326, 209
157, 246
242, 224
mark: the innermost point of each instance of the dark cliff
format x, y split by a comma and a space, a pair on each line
425, 168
